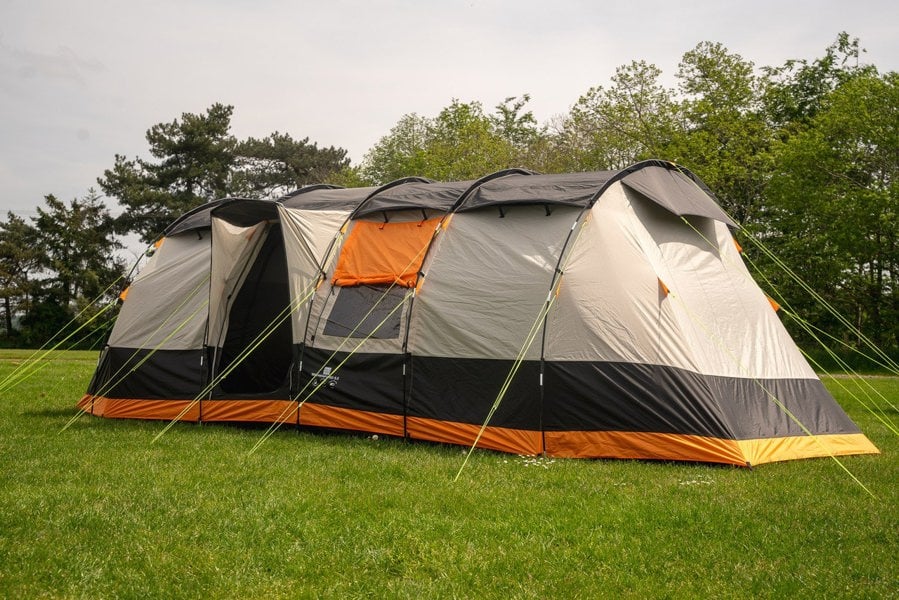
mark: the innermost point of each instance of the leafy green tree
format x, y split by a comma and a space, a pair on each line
465, 144
725, 138
48, 319
349, 176
19, 261
77, 248
401, 153
461, 142
519, 128
614, 127
795, 92
834, 204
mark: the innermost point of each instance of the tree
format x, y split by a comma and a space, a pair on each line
612, 128
77, 248
198, 160
794, 93
519, 128
724, 138
461, 142
400, 153
195, 158
834, 204
19, 259
465, 144
278, 164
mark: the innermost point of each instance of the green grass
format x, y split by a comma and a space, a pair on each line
99, 511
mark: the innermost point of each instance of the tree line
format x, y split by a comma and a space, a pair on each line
803, 155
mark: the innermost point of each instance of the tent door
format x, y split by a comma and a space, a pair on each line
261, 302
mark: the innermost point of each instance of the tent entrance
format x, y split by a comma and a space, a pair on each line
261, 302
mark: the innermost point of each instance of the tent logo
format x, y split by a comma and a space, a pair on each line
325, 375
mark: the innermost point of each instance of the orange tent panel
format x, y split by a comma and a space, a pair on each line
384, 253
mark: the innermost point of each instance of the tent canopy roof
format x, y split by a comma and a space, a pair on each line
570, 189
672, 187
416, 194
246, 211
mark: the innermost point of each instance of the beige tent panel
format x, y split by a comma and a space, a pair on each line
610, 306
615, 304
235, 249
308, 236
723, 316
164, 308
487, 279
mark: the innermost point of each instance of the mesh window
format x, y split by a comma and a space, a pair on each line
348, 314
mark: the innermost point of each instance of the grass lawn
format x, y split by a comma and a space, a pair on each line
98, 511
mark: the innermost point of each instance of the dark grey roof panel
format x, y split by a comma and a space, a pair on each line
676, 191
414, 195
671, 187
198, 218
570, 189
327, 198
244, 213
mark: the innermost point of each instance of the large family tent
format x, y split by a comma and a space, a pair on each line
604, 314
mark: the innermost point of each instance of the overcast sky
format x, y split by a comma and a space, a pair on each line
82, 80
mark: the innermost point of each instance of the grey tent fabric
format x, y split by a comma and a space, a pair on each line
327, 198
244, 213
174, 285
675, 192
198, 218
439, 197
571, 189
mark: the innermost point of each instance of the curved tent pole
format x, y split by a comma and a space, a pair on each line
670, 166
207, 207
579, 223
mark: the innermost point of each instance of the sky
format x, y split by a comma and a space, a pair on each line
83, 80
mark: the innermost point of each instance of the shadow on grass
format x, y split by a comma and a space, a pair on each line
65, 413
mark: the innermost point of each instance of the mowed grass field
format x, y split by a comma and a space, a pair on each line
99, 511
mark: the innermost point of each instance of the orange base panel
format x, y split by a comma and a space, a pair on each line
562, 444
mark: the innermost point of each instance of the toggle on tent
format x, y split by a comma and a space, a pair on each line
604, 314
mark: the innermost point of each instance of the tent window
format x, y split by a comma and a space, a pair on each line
348, 315
384, 253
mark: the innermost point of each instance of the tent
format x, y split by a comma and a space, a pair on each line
603, 314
